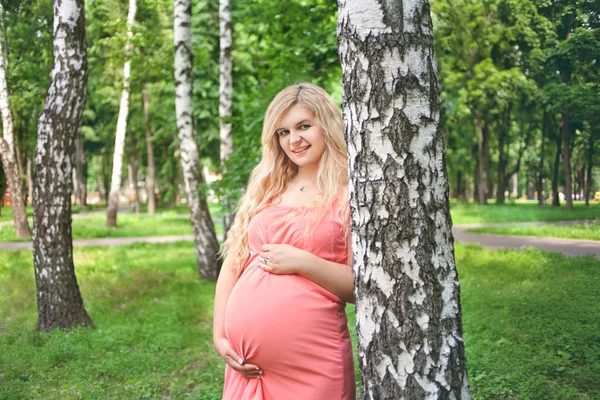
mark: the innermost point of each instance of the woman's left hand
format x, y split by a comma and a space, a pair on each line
282, 259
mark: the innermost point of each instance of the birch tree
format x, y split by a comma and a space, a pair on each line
406, 286
9, 163
115, 183
205, 239
58, 298
225, 88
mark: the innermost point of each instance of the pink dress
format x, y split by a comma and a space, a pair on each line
295, 330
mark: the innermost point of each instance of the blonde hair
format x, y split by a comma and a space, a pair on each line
270, 177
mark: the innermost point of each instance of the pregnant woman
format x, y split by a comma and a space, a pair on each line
279, 317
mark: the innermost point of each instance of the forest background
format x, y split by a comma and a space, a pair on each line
520, 84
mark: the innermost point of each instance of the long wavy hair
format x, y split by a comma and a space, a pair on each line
271, 176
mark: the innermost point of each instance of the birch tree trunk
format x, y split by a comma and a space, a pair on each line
225, 89
150, 176
9, 163
406, 285
58, 298
205, 239
115, 184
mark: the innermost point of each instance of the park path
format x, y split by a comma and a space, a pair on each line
568, 247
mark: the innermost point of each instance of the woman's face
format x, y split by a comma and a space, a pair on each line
300, 138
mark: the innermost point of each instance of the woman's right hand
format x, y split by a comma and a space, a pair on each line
235, 361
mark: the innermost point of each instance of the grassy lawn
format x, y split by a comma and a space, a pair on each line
530, 320
173, 221
584, 231
167, 221
6, 212
471, 213
94, 226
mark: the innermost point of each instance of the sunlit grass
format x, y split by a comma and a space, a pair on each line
589, 231
471, 213
93, 225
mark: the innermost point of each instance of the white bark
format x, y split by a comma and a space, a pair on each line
115, 184
59, 301
225, 83
407, 294
225, 94
206, 243
7, 154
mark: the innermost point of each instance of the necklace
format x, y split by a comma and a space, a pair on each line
302, 187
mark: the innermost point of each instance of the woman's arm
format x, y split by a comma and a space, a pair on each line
286, 259
227, 279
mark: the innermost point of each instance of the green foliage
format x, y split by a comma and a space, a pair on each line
27, 41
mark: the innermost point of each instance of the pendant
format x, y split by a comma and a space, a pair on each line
301, 188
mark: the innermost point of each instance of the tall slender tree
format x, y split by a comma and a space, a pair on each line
7, 154
115, 183
207, 247
150, 174
225, 88
59, 301
406, 286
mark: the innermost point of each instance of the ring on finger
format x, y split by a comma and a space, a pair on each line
265, 261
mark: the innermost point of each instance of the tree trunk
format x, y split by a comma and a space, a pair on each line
59, 301
133, 167
133, 176
115, 185
481, 178
567, 158
489, 188
225, 89
539, 174
207, 247
29, 181
406, 285
9, 163
81, 168
555, 169
501, 169
150, 176
590, 165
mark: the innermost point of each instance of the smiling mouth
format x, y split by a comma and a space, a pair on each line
300, 150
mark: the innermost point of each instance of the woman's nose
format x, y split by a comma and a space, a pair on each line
295, 137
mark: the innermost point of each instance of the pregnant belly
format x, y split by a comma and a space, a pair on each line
284, 322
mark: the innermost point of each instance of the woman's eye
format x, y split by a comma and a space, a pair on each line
283, 132
304, 126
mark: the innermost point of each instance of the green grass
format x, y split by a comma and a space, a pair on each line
530, 320
167, 221
6, 212
531, 323
471, 213
590, 231
128, 225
